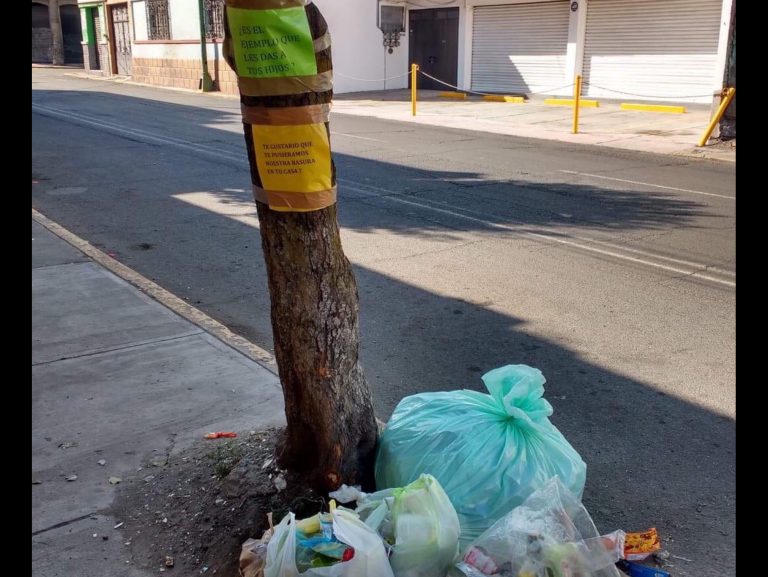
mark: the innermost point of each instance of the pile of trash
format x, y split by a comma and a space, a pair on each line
473, 485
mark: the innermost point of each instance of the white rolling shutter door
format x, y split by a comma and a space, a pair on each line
519, 47
658, 49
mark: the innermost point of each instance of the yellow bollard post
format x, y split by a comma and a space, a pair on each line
730, 93
576, 103
414, 70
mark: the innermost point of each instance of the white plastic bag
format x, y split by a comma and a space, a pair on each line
370, 558
420, 523
347, 494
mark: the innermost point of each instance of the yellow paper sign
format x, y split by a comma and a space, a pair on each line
293, 158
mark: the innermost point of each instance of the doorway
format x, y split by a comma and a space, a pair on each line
122, 34
433, 44
73, 34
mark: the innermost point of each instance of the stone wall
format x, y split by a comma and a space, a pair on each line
182, 73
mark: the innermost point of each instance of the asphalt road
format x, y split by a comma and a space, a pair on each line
611, 271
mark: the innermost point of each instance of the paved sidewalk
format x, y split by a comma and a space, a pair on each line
117, 376
607, 125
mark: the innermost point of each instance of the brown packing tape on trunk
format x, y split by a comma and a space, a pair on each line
295, 201
322, 43
311, 114
266, 4
321, 82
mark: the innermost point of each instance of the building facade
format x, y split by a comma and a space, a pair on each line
166, 40
167, 47
655, 50
652, 50
159, 42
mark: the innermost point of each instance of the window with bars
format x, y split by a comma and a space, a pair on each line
158, 20
214, 19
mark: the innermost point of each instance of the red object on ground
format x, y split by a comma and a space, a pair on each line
219, 435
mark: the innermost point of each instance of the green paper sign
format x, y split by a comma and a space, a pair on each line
272, 43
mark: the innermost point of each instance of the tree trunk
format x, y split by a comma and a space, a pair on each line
331, 430
728, 121
57, 39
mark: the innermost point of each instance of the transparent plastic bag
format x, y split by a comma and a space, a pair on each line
420, 524
488, 451
550, 535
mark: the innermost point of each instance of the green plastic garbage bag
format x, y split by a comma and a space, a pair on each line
489, 452
418, 522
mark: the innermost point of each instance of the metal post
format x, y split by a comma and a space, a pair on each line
576, 103
731, 92
207, 82
414, 70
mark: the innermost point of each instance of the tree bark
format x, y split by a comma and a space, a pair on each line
331, 431
57, 38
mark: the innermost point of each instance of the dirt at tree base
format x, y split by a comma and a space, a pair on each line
200, 506
723, 143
